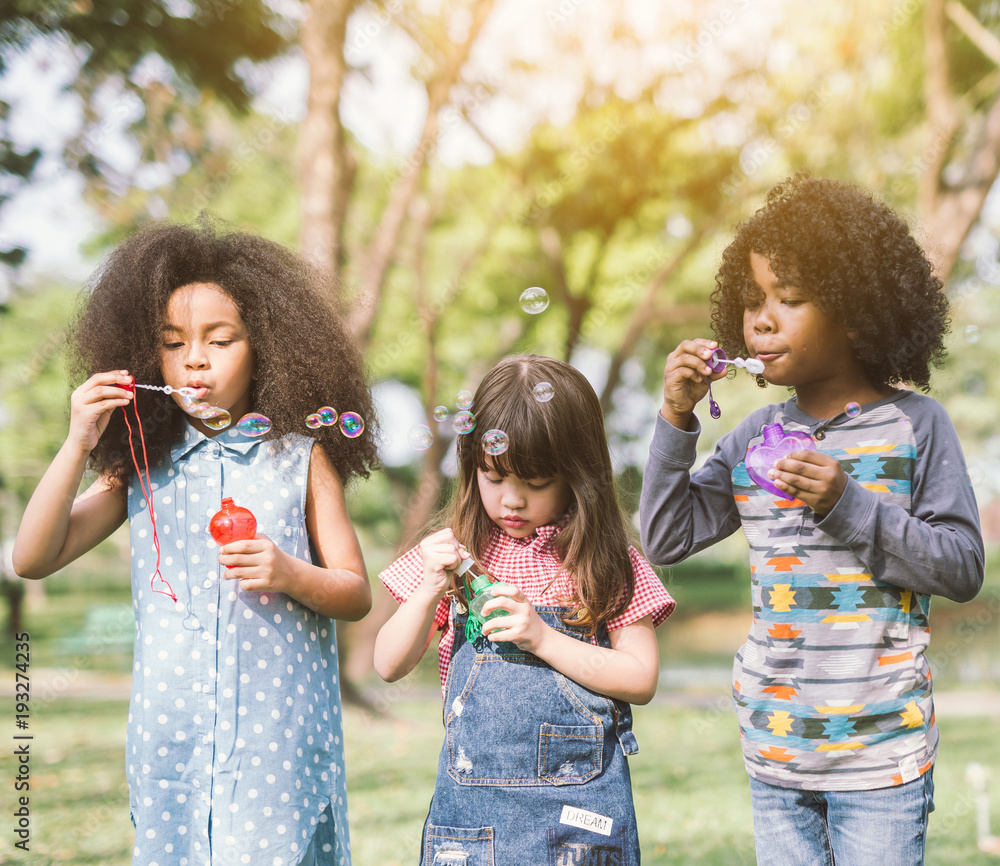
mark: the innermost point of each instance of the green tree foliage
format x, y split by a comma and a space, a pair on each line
195, 52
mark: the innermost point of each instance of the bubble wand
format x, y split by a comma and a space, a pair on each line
718, 363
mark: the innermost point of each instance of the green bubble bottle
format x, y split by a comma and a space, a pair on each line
482, 592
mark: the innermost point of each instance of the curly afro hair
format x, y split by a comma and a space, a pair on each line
304, 356
860, 264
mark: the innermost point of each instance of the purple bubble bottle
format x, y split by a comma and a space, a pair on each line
777, 444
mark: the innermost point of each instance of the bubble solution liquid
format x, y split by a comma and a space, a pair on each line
232, 523
482, 591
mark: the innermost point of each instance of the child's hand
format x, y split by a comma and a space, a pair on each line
812, 476
91, 405
441, 552
522, 627
258, 564
686, 377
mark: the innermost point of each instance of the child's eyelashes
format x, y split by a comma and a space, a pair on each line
222, 344
533, 483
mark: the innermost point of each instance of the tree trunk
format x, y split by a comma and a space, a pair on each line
950, 208
326, 167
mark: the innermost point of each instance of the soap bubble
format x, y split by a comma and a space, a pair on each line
534, 300
495, 442
463, 399
976, 473
972, 334
352, 425
440, 413
211, 416
852, 410
254, 424
203, 410
544, 392
327, 416
218, 421
463, 422
313, 421
187, 402
420, 437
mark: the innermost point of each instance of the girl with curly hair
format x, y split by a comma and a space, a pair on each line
849, 539
216, 772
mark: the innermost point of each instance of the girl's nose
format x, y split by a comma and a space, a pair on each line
763, 323
512, 498
195, 359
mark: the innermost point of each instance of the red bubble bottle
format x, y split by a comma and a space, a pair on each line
232, 523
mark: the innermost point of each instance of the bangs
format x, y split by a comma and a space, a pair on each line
530, 452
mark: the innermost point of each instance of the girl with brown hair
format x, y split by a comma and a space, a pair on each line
537, 713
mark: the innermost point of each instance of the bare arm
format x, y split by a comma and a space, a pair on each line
58, 526
404, 639
337, 584
628, 670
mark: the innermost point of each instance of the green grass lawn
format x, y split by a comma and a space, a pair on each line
690, 787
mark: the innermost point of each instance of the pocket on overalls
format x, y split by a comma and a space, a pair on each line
458, 846
569, 754
513, 725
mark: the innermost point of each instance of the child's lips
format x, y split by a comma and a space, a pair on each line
513, 522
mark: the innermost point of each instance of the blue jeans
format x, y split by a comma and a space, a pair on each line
883, 827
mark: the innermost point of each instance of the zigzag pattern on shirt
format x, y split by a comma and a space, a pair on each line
831, 687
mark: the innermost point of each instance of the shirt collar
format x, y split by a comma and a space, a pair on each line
230, 440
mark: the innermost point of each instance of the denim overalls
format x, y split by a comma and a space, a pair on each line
532, 770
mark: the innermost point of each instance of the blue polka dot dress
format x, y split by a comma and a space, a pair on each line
234, 751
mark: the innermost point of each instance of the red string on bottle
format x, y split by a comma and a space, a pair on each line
147, 492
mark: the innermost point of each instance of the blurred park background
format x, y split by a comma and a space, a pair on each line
440, 157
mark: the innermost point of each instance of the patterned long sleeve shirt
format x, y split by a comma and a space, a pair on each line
832, 687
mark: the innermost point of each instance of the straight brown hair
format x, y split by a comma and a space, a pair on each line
561, 436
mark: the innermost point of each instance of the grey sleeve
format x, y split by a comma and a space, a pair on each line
681, 513
936, 549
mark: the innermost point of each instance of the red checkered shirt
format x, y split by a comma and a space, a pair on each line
531, 565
